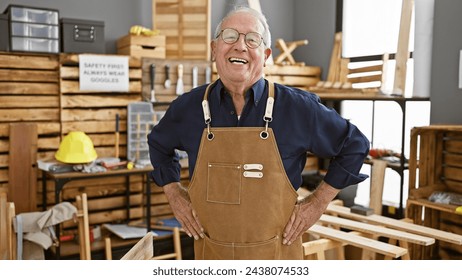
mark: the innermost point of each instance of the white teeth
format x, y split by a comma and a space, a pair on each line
237, 60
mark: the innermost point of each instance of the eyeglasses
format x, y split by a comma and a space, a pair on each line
252, 39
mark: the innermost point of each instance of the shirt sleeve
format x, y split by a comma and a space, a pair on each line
162, 143
342, 142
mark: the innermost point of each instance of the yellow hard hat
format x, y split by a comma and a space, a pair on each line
76, 147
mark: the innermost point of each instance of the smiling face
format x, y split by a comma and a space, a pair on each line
239, 66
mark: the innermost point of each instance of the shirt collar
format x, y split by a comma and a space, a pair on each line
257, 89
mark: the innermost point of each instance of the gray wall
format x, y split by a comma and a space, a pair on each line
446, 97
314, 20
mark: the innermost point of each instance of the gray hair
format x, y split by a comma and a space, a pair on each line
259, 16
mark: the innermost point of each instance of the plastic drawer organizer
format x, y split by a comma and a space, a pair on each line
34, 29
141, 119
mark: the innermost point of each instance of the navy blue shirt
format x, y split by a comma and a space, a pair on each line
301, 124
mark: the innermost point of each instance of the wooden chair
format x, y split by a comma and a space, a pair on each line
83, 226
84, 230
144, 249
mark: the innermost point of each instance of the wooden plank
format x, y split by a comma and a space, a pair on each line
23, 101
377, 230
292, 70
315, 246
3, 175
22, 174
143, 249
4, 161
30, 114
93, 126
29, 61
397, 224
4, 146
70, 86
453, 174
453, 146
336, 55
97, 101
402, 52
294, 80
376, 189
28, 75
4, 250
48, 142
359, 241
93, 114
29, 88
43, 128
115, 202
141, 52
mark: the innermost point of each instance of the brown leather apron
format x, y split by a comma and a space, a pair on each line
241, 193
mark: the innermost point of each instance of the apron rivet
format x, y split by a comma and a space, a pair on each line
263, 135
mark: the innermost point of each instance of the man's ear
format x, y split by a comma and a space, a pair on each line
267, 54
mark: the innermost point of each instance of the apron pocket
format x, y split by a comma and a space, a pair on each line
224, 183
261, 250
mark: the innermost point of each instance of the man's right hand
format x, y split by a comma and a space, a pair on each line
180, 203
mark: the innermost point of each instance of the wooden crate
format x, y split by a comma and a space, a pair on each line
435, 164
299, 76
95, 112
169, 94
142, 46
186, 25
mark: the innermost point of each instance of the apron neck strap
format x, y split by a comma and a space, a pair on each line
268, 117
